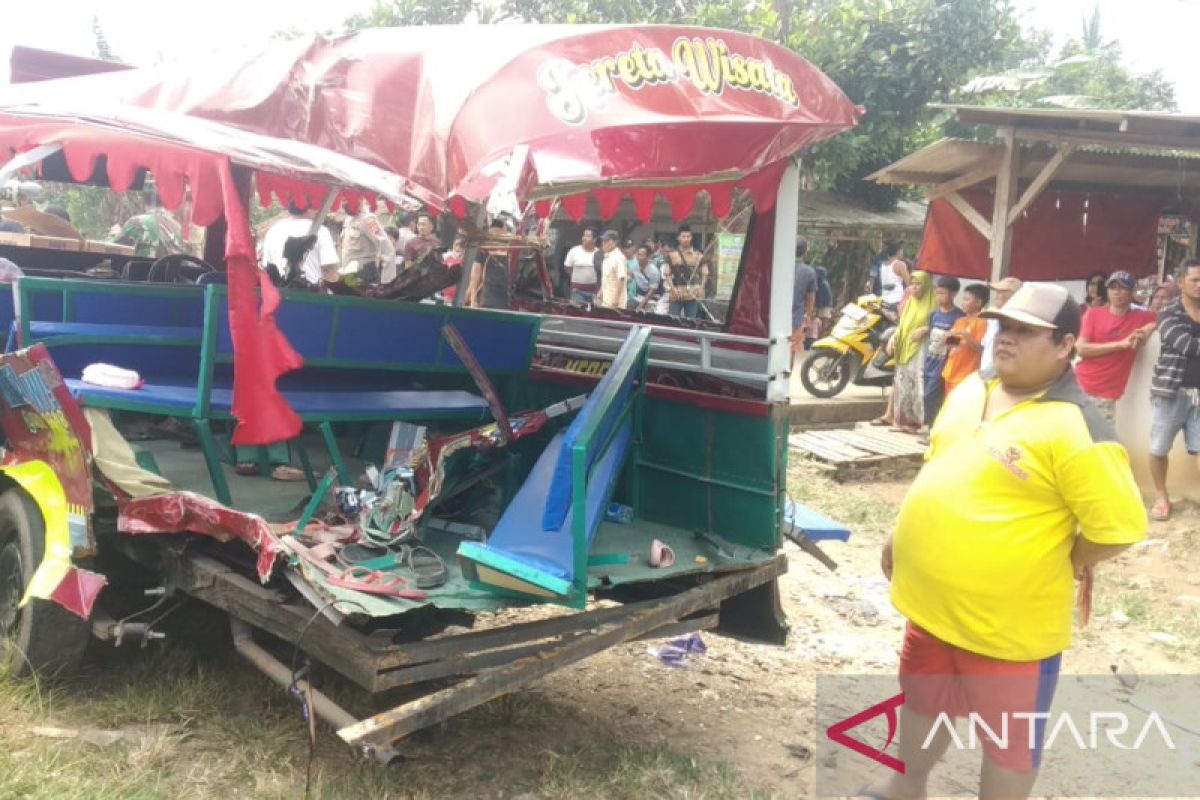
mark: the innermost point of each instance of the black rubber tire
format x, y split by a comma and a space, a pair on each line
819, 360
43, 636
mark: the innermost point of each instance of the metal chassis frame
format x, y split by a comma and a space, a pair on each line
487, 663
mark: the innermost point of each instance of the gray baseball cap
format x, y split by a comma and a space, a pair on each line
1040, 305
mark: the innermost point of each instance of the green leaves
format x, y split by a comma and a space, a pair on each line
1087, 73
393, 13
895, 58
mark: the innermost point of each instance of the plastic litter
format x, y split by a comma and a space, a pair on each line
661, 555
112, 377
681, 653
619, 512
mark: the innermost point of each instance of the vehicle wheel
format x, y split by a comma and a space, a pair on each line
825, 373
42, 636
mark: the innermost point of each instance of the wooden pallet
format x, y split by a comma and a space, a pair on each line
861, 452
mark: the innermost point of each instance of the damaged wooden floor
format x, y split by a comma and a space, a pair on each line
860, 453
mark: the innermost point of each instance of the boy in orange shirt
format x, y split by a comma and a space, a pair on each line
965, 339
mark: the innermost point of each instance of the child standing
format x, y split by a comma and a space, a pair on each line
965, 340
944, 315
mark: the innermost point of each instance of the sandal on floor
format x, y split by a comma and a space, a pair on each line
881, 422
246, 469
284, 472
356, 553
1161, 511
428, 568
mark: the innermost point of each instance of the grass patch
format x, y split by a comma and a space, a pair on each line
852, 506
204, 728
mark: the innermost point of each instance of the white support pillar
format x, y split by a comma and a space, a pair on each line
783, 281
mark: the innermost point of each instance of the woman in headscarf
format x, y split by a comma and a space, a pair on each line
908, 346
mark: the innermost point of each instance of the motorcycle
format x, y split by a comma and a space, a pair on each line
854, 350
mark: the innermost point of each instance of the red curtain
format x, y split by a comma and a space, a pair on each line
1063, 235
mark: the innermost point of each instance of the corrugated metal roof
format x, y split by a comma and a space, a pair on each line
1072, 120
823, 210
1094, 166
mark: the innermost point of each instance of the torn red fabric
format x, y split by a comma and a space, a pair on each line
78, 590
180, 512
541, 208
749, 309
261, 353
763, 186
1063, 235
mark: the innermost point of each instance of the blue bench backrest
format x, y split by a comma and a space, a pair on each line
608, 408
154, 329
109, 302
355, 333
8, 312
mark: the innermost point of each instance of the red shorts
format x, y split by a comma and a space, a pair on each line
939, 678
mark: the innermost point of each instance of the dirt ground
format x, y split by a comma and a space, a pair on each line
752, 706
740, 722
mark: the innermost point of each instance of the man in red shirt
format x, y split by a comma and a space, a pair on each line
1108, 344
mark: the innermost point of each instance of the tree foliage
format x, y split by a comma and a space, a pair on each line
895, 58
1086, 73
759, 18
393, 13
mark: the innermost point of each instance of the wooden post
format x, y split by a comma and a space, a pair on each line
1006, 195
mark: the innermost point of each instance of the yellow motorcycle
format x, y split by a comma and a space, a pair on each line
853, 350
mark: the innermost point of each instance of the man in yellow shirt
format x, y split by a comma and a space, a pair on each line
1024, 488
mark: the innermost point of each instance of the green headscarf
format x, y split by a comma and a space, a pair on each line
914, 313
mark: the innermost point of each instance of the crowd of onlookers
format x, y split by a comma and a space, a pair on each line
650, 276
655, 275
940, 340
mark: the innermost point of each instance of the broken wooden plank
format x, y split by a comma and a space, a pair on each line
833, 440
412, 716
888, 444
821, 449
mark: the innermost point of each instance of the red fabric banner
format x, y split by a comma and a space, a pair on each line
261, 353
1063, 235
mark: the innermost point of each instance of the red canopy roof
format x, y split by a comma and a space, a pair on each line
442, 114
556, 109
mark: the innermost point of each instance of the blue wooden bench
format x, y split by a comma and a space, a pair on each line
365, 360
540, 545
154, 329
8, 316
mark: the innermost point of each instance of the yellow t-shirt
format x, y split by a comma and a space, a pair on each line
981, 554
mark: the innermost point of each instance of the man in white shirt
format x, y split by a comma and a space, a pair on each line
580, 265
893, 274
615, 273
311, 260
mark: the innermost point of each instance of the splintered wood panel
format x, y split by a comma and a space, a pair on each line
862, 452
